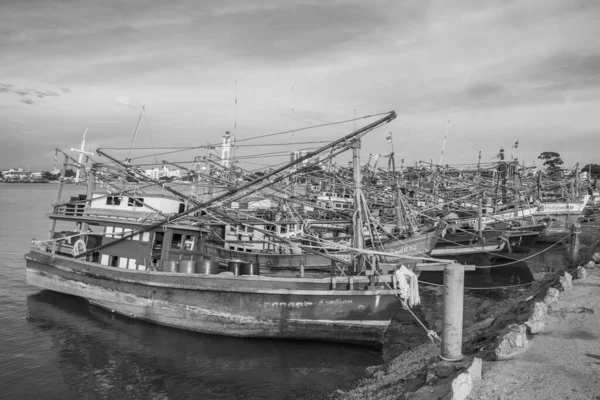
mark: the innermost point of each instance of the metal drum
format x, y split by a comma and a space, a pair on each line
187, 266
250, 268
170, 265
235, 267
207, 267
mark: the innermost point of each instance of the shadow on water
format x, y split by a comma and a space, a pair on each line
112, 356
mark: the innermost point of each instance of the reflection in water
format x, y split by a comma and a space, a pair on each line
110, 356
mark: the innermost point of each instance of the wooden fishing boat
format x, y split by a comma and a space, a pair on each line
149, 257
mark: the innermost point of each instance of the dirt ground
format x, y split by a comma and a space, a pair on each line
563, 361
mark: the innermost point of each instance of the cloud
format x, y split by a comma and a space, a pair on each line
45, 94
9, 88
65, 90
127, 101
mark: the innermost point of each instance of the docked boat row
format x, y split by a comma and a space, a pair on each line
307, 250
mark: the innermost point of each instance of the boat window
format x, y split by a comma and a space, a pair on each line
338, 205
231, 248
250, 229
270, 228
176, 242
113, 200
181, 207
231, 228
113, 261
190, 242
135, 202
346, 206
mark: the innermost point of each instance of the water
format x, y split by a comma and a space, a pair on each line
55, 346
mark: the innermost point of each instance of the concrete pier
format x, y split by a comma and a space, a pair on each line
454, 287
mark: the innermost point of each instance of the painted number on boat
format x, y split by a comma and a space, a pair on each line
306, 304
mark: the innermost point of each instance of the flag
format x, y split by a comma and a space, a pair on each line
516, 144
389, 137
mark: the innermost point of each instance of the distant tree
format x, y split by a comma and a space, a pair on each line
70, 173
593, 168
48, 175
552, 161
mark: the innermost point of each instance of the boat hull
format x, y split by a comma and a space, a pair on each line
225, 305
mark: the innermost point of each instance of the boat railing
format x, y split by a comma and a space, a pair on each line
70, 209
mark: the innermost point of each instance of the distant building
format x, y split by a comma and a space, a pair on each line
152, 173
164, 172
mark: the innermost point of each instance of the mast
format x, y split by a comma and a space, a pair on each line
81, 152
358, 224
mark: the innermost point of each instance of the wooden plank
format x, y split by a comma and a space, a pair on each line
439, 267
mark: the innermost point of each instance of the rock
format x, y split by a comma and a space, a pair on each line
475, 369
378, 375
581, 273
462, 386
596, 257
536, 321
443, 369
590, 264
370, 371
511, 341
431, 378
551, 296
566, 282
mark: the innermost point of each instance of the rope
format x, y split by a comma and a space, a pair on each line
480, 288
528, 257
431, 334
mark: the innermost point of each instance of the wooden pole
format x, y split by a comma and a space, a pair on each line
61, 184
358, 224
454, 282
539, 185
479, 222
576, 180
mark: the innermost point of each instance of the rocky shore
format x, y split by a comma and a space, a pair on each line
539, 343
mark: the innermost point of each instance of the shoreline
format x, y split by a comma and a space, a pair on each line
410, 375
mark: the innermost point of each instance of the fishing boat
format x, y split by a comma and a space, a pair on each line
151, 256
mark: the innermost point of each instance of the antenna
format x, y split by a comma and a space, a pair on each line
81, 153
445, 136
128, 159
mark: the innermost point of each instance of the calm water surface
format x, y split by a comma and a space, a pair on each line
55, 346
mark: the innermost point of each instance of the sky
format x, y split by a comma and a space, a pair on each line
489, 73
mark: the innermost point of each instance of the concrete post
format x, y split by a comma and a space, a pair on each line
574, 245
454, 283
